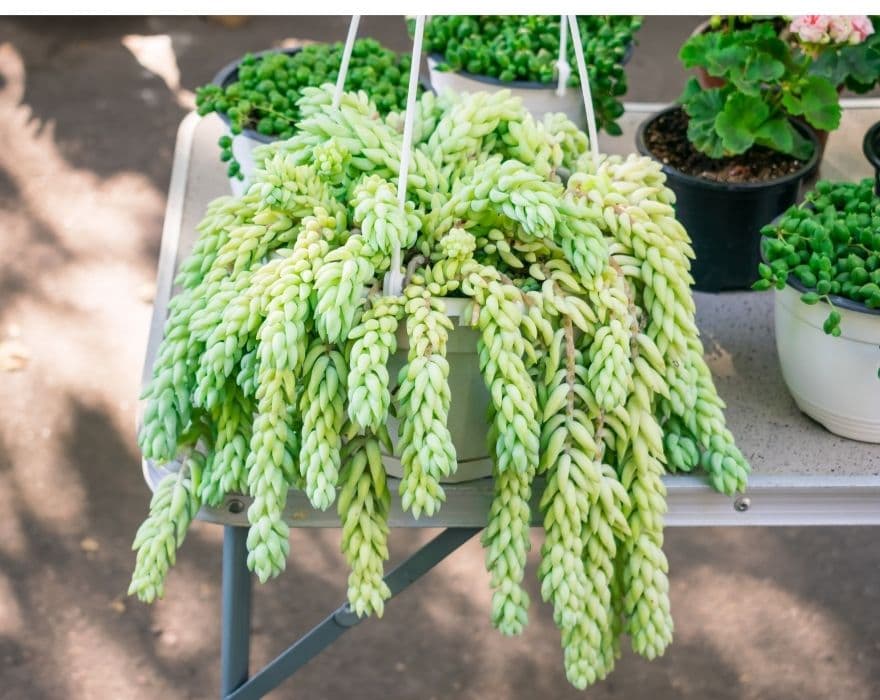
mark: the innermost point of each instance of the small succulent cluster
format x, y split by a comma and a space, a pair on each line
830, 244
526, 47
264, 95
273, 372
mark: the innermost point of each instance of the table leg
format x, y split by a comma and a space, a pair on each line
236, 611
343, 619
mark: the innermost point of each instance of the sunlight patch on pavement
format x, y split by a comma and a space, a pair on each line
769, 637
80, 240
11, 620
156, 54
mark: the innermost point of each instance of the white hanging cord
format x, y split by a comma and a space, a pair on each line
585, 85
409, 119
346, 57
394, 278
562, 67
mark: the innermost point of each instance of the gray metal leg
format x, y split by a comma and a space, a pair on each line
328, 631
235, 641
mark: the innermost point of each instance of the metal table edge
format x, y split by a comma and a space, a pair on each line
778, 499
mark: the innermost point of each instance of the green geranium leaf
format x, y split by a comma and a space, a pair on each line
738, 123
857, 65
792, 103
693, 52
691, 89
831, 64
700, 104
777, 133
705, 139
819, 99
763, 67
802, 147
702, 108
728, 60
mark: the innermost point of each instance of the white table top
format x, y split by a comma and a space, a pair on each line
802, 474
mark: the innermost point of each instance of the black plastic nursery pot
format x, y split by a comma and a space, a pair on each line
724, 220
871, 149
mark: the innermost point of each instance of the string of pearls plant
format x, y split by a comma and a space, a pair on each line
273, 371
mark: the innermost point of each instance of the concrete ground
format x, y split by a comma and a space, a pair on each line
88, 112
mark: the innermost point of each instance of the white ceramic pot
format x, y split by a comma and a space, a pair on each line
833, 380
538, 98
470, 399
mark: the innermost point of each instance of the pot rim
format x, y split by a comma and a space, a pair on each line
516, 84
228, 73
837, 300
871, 146
801, 173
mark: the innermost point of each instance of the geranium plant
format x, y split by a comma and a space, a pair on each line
850, 53
769, 77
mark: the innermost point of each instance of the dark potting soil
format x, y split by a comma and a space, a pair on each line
666, 138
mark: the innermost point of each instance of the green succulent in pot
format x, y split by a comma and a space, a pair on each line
829, 247
259, 92
823, 260
273, 374
520, 49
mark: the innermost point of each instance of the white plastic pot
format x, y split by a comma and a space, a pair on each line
833, 380
243, 146
470, 399
538, 98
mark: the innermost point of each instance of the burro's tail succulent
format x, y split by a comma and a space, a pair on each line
274, 372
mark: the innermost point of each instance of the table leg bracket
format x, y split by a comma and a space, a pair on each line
235, 685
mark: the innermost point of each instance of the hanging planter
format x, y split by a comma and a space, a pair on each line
469, 405
538, 98
823, 259
724, 217
275, 369
530, 56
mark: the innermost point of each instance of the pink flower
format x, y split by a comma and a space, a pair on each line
811, 29
861, 29
840, 28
